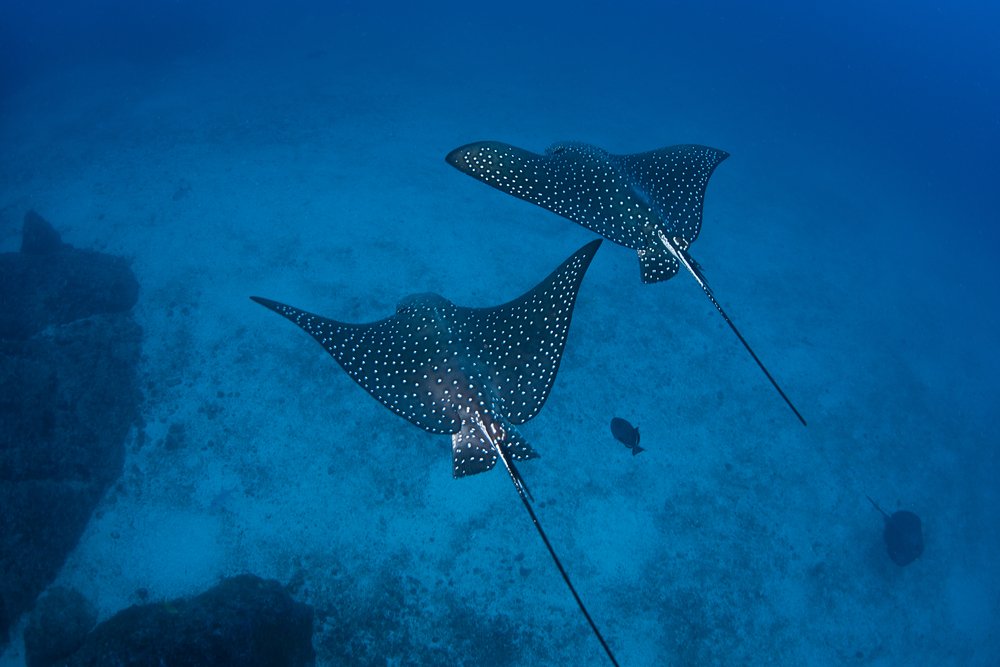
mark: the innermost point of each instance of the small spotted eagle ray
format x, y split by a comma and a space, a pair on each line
651, 202
472, 373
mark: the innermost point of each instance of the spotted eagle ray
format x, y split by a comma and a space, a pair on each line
903, 535
472, 373
651, 202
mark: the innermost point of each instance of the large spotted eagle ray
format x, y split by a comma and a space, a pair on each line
651, 202
472, 373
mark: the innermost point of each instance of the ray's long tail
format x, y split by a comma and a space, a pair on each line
876, 506
522, 492
684, 258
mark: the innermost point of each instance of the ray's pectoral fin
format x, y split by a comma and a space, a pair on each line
657, 264
517, 446
470, 452
473, 373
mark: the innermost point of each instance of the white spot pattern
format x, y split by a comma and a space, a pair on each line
624, 198
439, 365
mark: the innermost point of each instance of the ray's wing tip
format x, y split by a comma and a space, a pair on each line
590, 249
456, 154
581, 259
718, 153
268, 303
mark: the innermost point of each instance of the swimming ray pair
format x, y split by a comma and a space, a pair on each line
650, 202
472, 373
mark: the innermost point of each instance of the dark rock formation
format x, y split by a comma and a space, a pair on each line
68, 396
243, 621
61, 619
51, 283
38, 237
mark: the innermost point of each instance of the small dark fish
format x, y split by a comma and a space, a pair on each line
904, 538
626, 434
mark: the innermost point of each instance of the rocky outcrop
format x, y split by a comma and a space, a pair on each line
51, 283
68, 397
58, 624
245, 621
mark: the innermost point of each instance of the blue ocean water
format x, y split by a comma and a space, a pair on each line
296, 151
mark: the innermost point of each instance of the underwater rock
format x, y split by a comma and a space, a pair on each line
245, 621
52, 283
68, 397
58, 624
39, 237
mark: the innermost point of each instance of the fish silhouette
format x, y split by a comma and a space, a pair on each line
626, 434
650, 202
472, 373
903, 535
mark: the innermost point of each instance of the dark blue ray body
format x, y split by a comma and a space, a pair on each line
626, 199
433, 363
474, 373
651, 202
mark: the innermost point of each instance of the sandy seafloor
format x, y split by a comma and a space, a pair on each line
312, 172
